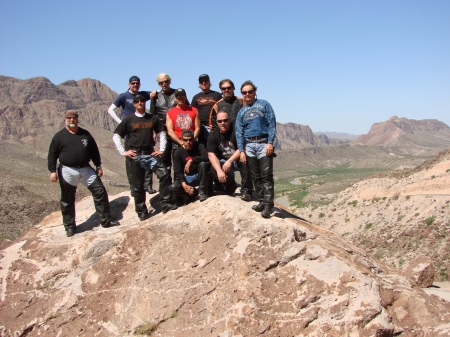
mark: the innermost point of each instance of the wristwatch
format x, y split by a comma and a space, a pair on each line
231, 161
98, 167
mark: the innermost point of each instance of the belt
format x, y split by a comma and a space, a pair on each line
257, 139
141, 152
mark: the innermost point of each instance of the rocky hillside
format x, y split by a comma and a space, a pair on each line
220, 273
410, 134
395, 216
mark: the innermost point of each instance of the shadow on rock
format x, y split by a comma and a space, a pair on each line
117, 207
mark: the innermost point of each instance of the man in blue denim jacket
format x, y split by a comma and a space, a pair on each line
255, 135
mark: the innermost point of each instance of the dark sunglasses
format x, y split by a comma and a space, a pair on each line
188, 140
179, 96
222, 120
249, 92
135, 83
226, 88
165, 81
139, 101
72, 117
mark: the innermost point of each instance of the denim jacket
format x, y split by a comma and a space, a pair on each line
255, 120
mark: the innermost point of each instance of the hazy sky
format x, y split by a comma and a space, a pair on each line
333, 65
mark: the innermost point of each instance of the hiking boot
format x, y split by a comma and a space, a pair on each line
144, 216
246, 197
71, 231
111, 224
169, 207
258, 208
267, 211
202, 196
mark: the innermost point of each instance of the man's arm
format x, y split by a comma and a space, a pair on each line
171, 132
197, 126
113, 112
53, 155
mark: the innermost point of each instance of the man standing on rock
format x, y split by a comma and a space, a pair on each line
229, 103
138, 130
125, 101
160, 104
255, 134
75, 148
204, 101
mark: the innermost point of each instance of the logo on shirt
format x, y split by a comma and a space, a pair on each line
184, 122
84, 142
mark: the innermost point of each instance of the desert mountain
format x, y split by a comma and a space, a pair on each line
407, 133
395, 216
210, 269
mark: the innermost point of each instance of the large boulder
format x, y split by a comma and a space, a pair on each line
210, 269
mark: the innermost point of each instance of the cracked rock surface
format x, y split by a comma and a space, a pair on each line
210, 269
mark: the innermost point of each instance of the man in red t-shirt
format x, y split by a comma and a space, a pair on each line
181, 117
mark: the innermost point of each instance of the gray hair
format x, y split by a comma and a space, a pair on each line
163, 75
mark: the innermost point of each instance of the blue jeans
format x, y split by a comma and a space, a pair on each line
257, 150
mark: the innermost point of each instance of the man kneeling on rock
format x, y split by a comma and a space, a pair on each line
138, 130
224, 157
191, 168
75, 148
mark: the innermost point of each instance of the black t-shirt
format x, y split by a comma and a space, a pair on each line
198, 154
223, 145
204, 103
139, 131
75, 150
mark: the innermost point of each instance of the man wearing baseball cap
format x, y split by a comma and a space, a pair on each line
125, 102
204, 101
138, 129
74, 147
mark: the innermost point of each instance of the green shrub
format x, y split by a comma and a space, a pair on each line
368, 225
353, 203
146, 328
321, 215
430, 220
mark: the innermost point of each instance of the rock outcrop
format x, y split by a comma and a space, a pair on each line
407, 133
210, 269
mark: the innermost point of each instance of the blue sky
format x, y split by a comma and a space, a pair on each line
333, 65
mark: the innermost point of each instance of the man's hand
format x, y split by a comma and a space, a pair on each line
221, 176
157, 153
153, 94
129, 153
53, 177
187, 166
269, 150
99, 171
226, 167
188, 189
243, 157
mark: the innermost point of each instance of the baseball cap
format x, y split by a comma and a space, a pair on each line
134, 79
71, 113
180, 91
140, 97
203, 77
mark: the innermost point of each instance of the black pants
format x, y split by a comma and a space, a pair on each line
262, 174
148, 181
204, 184
67, 202
138, 178
246, 179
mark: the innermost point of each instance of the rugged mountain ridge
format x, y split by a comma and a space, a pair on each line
407, 133
203, 273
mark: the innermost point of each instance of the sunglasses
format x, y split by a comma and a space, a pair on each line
189, 140
222, 120
71, 117
226, 88
139, 101
249, 92
163, 82
180, 96
135, 83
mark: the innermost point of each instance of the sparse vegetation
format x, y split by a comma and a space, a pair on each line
376, 199
368, 226
321, 215
146, 328
353, 203
430, 220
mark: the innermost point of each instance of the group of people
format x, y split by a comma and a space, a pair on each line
205, 141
